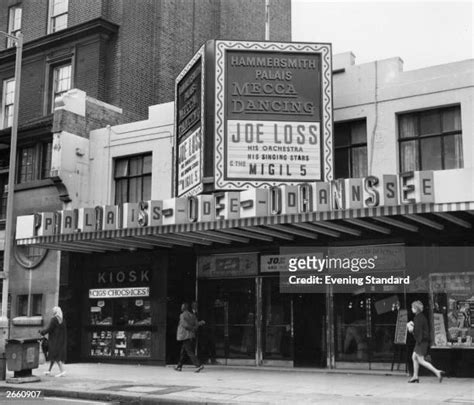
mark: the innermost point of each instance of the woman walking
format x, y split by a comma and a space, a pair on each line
421, 333
56, 332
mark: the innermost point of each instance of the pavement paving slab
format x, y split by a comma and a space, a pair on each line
140, 385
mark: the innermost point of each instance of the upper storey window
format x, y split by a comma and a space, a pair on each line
14, 24
350, 149
431, 139
8, 102
62, 81
58, 11
133, 178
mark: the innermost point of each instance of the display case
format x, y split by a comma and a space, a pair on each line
101, 343
120, 328
452, 297
139, 344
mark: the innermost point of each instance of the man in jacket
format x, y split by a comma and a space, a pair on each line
186, 334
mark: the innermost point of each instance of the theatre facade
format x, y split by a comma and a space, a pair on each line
277, 164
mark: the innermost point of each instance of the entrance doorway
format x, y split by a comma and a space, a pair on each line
229, 310
309, 323
248, 321
365, 329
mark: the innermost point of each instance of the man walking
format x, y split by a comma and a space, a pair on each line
186, 333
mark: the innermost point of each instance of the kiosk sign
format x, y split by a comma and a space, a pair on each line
273, 114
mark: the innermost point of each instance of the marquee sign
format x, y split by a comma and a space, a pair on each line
273, 118
371, 191
253, 114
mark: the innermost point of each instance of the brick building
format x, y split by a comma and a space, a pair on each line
389, 125
120, 53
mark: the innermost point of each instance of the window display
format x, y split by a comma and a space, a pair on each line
139, 344
453, 310
101, 343
120, 327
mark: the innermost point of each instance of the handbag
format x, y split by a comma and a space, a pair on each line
45, 347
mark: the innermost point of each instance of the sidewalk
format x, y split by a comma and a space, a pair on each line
226, 385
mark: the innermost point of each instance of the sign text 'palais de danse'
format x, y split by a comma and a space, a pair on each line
371, 191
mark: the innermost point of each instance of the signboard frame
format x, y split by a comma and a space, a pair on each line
197, 60
401, 331
220, 124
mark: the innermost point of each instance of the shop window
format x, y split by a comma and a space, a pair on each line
8, 99
14, 24
350, 148
61, 81
453, 310
430, 140
34, 162
58, 15
125, 323
133, 179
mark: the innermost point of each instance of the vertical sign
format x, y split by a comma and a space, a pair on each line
273, 114
189, 127
401, 327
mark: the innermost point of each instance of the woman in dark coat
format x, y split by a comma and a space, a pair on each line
421, 333
56, 332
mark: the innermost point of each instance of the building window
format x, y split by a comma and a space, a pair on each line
431, 140
34, 162
3, 194
22, 309
14, 24
132, 179
4, 168
8, 102
58, 10
61, 81
26, 164
46, 154
350, 148
36, 305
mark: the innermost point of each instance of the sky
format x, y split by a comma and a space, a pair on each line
422, 33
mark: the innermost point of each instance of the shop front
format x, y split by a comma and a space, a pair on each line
123, 317
249, 321
452, 317
126, 312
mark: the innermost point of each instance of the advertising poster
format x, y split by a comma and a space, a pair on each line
189, 124
273, 123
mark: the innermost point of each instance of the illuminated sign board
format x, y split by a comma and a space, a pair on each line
341, 194
252, 114
273, 116
189, 96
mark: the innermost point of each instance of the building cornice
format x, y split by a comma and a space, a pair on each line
28, 129
91, 27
